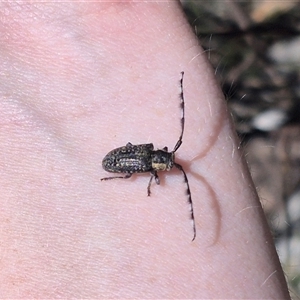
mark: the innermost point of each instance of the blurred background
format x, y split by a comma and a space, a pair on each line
254, 47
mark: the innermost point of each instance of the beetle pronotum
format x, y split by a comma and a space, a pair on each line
143, 158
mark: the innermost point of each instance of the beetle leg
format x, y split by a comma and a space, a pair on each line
122, 177
153, 174
149, 184
156, 178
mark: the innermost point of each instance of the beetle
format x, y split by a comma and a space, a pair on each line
143, 158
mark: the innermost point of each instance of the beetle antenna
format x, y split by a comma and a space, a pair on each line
179, 142
188, 191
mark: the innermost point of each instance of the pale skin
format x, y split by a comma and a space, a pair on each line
79, 79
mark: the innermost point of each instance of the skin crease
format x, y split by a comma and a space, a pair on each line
80, 79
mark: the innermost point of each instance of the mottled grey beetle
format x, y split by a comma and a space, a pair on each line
143, 158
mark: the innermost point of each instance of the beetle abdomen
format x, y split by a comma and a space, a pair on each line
129, 159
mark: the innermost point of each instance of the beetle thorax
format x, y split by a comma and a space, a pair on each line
162, 160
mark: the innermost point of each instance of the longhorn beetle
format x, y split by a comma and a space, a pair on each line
143, 158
